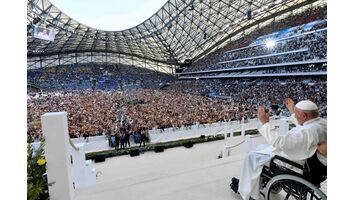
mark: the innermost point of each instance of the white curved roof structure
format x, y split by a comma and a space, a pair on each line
180, 30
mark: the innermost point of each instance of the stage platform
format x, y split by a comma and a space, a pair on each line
175, 174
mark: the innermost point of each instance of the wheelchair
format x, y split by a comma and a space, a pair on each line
300, 182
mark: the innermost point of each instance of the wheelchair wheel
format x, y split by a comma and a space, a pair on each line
275, 188
293, 188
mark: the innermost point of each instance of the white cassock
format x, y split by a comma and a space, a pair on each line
297, 145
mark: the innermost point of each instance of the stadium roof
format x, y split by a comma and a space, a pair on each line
181, 29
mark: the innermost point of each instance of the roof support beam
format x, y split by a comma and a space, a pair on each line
253, 24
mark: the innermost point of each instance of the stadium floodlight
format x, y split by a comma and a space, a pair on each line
270, 44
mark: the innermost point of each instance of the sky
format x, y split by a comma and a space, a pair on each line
109, 15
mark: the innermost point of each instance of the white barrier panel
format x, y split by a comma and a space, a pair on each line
194, 131
90, 174
83, 172
248, 141
78, 162
55, 129
92, 144
242, 126
89, 139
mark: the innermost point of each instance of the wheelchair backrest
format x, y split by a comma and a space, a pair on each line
317, 171
280, 165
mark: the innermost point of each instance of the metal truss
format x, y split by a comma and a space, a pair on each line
180, 30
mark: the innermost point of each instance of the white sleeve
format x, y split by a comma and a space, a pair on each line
296, 143
293, 119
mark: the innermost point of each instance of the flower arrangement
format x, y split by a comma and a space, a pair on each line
36, 168
41, 161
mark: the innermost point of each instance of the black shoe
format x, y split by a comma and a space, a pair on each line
234, 187
235, 181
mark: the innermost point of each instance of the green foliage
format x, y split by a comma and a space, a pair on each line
251, 132
166, 145
35, 169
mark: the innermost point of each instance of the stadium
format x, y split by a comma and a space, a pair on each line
178, 106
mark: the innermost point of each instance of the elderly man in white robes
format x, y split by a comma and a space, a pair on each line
297, 145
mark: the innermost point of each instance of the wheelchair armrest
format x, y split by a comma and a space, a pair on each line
288, 162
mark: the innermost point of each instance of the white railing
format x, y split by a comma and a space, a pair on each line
170, 134
281, 125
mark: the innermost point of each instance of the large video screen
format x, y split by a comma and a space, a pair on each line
43, 33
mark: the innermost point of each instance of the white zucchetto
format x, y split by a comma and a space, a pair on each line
306, 105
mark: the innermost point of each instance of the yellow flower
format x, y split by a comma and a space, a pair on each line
41, 162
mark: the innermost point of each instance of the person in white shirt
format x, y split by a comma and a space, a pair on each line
297, 144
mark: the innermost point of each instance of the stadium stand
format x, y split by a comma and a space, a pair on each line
295, 39
297, 48
96, 76
195, 71
227, 84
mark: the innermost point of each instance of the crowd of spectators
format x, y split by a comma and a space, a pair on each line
92, 113
307, 47
291, 69
309, 15
261, 91
122, 114
316, 43
171, 109
89, 112
306, 41
292, 32
95, 76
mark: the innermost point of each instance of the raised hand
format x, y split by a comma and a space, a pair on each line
262, 115
290, 104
